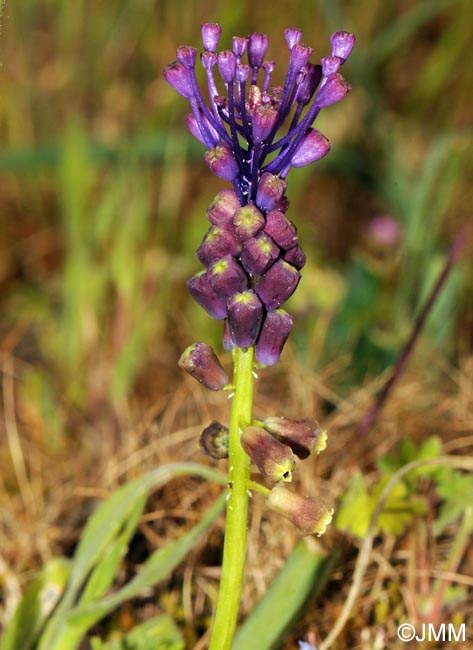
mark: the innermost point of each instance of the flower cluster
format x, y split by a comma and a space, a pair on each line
251, 252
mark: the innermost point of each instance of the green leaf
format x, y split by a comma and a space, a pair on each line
302, 577
37, 603
106, 570
156, 567
358, 505
104, 526
456, 489
159, 633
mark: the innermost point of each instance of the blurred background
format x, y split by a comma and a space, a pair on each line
102, 206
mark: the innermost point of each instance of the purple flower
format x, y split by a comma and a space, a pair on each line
223, 207
227, 277
276, 328
258, 254
274, 459
202, 292
303, 436
248, 221
278, 284
245, 317
218, 242
201, 362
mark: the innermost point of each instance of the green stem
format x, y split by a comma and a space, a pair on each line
236, 528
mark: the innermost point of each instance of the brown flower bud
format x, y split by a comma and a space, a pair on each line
274, 459
303, 436
214, 440
310, 516
201, 362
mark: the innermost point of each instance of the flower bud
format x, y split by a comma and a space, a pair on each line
210, 36
313, 146
194, 128
187, 55
310, 516
239, 46
227, 277
218, 242
208, 60
334, 89
257, 47
295, 256
342, 44
214, 440
302, 436
276, 328
242, 72
202, 292
248, 221
280, 229
292, 36
300, 55
221, 162
245, 317
330, 64
274, 460
277, 285
201, 362
223, 207
178, 77
270, 189
264, 118
226, 62
258, 254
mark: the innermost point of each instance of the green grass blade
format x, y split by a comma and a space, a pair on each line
302, 578
158, 566
37, 603
159, 633
105, 571
106, 523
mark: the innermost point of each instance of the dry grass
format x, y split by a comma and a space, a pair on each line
46, 498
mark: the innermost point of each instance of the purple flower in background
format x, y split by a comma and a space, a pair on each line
255, 134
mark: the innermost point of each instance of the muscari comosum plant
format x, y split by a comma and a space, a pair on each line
254, 134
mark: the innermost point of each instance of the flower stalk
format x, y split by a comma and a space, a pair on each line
236, 528
252, 265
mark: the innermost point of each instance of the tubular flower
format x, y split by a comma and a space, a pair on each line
255, 134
